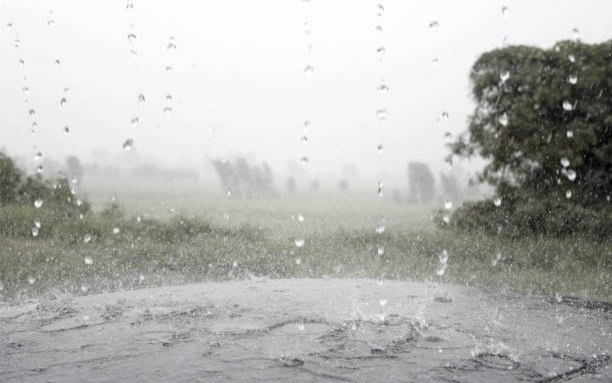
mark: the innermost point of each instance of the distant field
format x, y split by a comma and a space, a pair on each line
199, 238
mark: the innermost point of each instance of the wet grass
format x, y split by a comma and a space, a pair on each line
240, 240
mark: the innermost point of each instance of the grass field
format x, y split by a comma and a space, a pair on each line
173, 240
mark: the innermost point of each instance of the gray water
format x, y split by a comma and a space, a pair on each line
305, 331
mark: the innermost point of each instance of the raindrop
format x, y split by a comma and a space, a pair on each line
129, 5
434, 24
380, 250
84, 289
306, 126
571, 57
496, 260
575, 33
131, 37
568, 194
116, 230
57, 62
134, 122
168, 97
383, 88
505, 11
141, 99
8, 26
572, 79
168, 68
171, 46
127, 145
304, 139
298, 261
16, 43
497, 201
571, 174
381, 9
66, 130
229, 193
443, 257
34, 231
435, 60
308, 69
32, 112
87, 238
50, 22
21, 63
380, 149
88, 260
31, 280
168, 110
445, 218
299, 242
63, 101
567, 106
26, 90
37, 156
504, 76
379, 28
565, 162
383, 302
381, 51
445, 115
37, 223
448, 204
38, 203
381, 114
39, 169
569, 134
304, 159
300, 218
503, 119
380, 188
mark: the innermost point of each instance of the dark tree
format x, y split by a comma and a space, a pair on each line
450, 187
75, 170
10, 180
421, 183
543, 123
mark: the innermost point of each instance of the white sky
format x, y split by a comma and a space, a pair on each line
238, 84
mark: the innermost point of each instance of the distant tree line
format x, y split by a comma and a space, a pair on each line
241, 179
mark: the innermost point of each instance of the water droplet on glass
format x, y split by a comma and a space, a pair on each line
38, 203
496, 259
40, 169
63, 101
88, 260
571, 58
299, 242
571, 174
127, 145
308, 69
168, 110
575, 33
383, 88
572, 79
381, 114
448, 204
569, 134
31, 280
504, 76
34, 231
380, 250
32, 112
503, 119
300, 218
66, 130
304, 159
171, 46
445, 115
57, 62
380, 188
116, 230
567, 106
434, 24
565, 162
141, 99
87, 238
505, 11
131, 37
568, 194
497, 201
134, 122
380, 149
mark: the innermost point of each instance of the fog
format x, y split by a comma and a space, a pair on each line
238, 85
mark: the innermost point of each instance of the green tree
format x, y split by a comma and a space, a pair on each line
10, 179
543, 121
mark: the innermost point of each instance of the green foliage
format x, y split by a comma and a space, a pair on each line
10, 179
546, 131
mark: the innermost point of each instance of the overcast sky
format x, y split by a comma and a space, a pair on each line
238, 83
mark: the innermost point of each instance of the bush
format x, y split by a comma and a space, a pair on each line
518, 218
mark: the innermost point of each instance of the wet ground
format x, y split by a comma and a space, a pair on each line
306, 330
